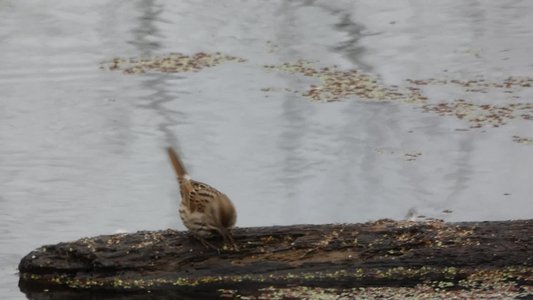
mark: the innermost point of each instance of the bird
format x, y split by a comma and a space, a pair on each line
204, 210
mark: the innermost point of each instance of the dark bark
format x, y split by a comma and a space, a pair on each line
380, 253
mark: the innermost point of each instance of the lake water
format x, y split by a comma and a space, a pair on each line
82, 146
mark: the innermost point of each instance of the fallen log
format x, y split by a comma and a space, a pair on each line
402, 256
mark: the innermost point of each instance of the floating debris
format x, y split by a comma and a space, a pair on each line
335, 84
479, 115
522, 140
173, 63
385, 150
411, 214
512, 83
412, 156
408, 156
272, 47
484, 114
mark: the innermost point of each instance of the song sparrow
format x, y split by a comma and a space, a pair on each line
203, 209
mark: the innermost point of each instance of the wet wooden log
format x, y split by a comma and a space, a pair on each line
383, 253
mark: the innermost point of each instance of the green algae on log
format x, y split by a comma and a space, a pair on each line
384, 253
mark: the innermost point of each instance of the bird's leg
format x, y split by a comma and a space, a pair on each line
228, 238
204, 242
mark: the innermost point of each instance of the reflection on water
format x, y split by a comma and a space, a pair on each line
82, 148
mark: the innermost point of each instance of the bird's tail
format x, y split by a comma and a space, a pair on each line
183, 178
179, 168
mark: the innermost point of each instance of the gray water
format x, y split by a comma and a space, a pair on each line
82, 149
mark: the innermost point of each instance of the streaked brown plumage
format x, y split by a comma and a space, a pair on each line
203, 209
